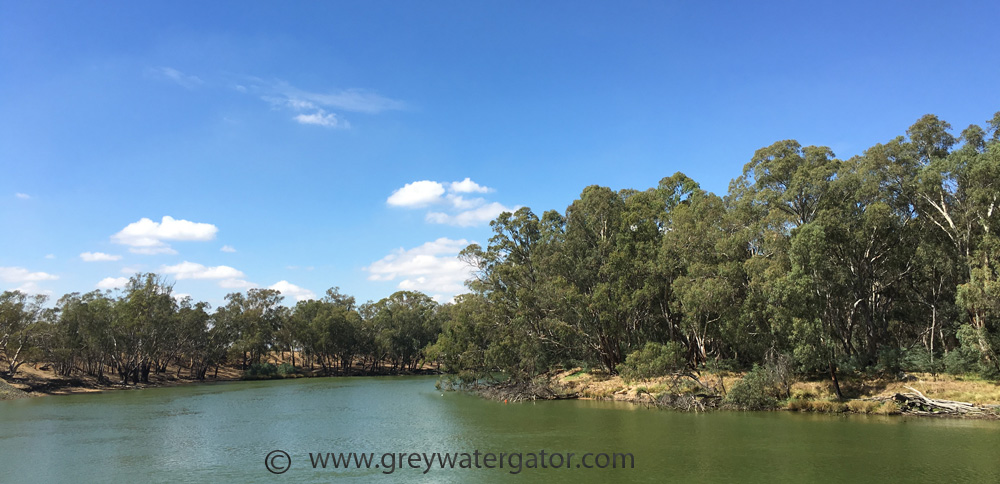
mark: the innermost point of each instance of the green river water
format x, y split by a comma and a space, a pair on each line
223, 433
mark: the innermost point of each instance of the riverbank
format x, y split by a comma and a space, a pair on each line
863, 395
43, 381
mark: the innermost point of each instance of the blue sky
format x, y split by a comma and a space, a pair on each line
305, 145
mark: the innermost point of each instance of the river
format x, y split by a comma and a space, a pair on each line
225, 432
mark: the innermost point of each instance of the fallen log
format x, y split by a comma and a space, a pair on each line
919, 404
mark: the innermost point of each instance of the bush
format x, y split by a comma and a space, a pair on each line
919, 359
799, 405
757, 390
652, 360
286, 370
261, 371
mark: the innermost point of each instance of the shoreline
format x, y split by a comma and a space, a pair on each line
40, 383
938, 396
875, 397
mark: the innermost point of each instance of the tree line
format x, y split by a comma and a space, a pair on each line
885, 261
144, 329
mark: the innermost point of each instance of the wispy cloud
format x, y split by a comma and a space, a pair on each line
353, 100
23, 196
99, 257
470, 218
20, 274
318, 108
228, 248
176, 76
27, 280
236, 284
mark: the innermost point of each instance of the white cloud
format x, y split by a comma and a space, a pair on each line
20, 274
228, 248
153, 250
236, 284
171, 74
99, 257
193, 270
468, 186
50, 256
355, 100
147, 236
432, 267
469, 218
112, 283
311, 107
179, 296
23, 196
417, 194
454, 209
32, 288
461, 203
322, 118
288, 289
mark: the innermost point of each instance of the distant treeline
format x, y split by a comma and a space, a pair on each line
144, 329
886, 261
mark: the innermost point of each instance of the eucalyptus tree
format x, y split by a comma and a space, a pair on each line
251, 321
467, 345
407, 323
514, 274
83, 333
19, 318
707, 288
140, 326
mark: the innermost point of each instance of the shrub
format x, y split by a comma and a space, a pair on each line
285, 370
652, 360
261, 371
798, 405
920, 360
757, 390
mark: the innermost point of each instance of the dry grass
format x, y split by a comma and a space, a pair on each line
864, 406
869, 396
826, 406
979, 392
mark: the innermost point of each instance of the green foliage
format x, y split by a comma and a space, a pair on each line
757, 390
882, 262
920, 359
652, 360
286, 369
261, 371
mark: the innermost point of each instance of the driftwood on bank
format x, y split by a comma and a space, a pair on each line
522, 391
917, 403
